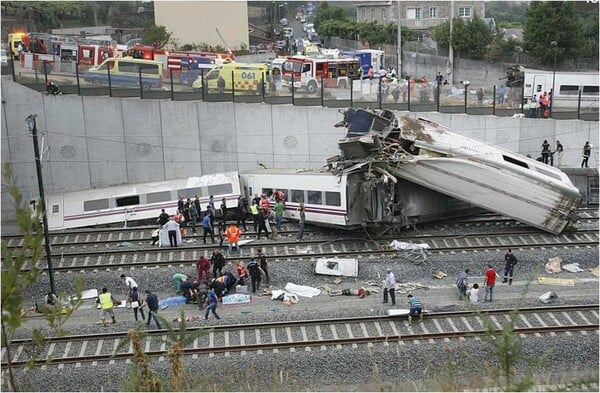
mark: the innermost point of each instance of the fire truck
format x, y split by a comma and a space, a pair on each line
307, 72
187, 66
89, 55
37, 52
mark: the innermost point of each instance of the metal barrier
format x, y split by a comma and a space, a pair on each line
401, 95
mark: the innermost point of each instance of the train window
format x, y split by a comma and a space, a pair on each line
55, 209
268, 192
97, 204
161, 196
220, 189
298, 196
128, 200
333, 198
590, 90
515, 161
568, 90
315, 197
190, 192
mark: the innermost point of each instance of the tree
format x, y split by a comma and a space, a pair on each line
553, 21
157, 35
471, 39
325, 12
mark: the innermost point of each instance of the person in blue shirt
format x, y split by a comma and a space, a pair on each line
212, 304
208, 228
416, 308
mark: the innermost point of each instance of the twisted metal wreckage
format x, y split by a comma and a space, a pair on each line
403, 160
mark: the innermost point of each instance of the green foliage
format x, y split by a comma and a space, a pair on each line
554, 21
157, 35
326, 13
471, 38
506, 13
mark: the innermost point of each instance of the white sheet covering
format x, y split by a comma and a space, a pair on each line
302, 290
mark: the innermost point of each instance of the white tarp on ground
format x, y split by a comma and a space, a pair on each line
163, 238
572, 268
403, 246
347, 267
302, 290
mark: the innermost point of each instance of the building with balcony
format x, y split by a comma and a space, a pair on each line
418, 15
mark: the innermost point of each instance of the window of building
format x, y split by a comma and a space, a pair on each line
298, 196
96, 204
161, 196
128, 200
333, 198
315, 197
413, 13
433, 12
465, 11
382, 14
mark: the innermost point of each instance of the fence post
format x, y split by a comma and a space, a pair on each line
466, 90
45, 72
232, 87
141, 87
379, 92
578, 106
12, 68
171, 77
77, 77
293, 88
408, 87
322, 91
351, 90
438, 96
494, 102
262, 83
109, 80
203, 85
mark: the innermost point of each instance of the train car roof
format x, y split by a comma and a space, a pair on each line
287, 171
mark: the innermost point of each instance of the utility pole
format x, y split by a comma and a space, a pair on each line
32, 126
398, 20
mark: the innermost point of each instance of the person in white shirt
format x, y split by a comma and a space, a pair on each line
128, 284
474, 293
173, 227
390, 287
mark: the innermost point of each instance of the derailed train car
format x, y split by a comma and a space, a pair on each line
430, 155
350, 199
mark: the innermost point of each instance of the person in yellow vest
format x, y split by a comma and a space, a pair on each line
106, 301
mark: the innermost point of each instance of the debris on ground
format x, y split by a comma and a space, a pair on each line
125, 245
595, 271
236, 298
287, 298
439, 275
548, 297
409, 287
347, 267
573, 268
553, 265
301, 290
563, 282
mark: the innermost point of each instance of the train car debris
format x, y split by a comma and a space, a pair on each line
430, 155
346, 267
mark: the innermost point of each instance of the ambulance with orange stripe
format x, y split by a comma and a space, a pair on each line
239, 77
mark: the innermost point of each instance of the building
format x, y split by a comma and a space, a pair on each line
196, 22
418, 15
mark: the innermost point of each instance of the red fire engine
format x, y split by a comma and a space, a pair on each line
92, 55
35, 53
308, 72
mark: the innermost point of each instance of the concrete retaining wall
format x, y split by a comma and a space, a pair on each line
100, 141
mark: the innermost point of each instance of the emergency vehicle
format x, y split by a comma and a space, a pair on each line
14, 40
307, 72
236, 76
187, 66
368, 58
36, 55
92, 55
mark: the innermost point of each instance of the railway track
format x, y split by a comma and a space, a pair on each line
140, 257
65, 240
324, 334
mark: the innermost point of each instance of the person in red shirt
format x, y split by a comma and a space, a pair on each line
203, 269
489, 281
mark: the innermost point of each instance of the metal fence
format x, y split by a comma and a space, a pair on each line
401, 95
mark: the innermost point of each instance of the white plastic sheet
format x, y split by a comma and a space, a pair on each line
302, 290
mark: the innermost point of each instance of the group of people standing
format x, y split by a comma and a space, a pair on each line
547, 155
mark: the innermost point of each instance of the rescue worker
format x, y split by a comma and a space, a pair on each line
233, 235
213, 301
254, 211
203, 268
128, 285
51, 88
202, 295
262, 263
163, 218
545, 151
106, 301
152, 301
218, 261
255, 274
509, 265
263, 216
177, 279
416, 308
224, 210
242, 273
390, 287
587, 152
136, 303
207, 225
241, 211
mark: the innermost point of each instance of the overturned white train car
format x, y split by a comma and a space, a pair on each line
432, 156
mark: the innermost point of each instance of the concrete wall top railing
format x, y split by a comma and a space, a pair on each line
96, 141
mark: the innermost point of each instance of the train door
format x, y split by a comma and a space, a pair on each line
55, 211
378, 202
540, 85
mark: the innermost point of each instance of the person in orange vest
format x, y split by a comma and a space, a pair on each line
264, 202
242, 272
178, 218
233, 234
